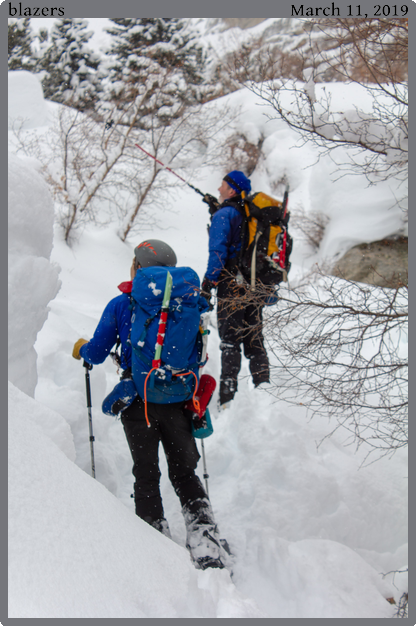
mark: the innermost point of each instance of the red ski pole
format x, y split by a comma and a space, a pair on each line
169, 169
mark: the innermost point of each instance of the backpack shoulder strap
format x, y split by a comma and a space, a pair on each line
138, 349
243, 208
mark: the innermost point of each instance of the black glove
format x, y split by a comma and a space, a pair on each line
206, 287
212, 203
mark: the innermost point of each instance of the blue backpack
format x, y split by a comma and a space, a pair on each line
177, 377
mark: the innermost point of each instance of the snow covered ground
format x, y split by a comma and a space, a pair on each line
313, 532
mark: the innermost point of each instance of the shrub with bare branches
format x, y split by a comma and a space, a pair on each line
97, 173
311, 225
340, 349
402, 607
241, 154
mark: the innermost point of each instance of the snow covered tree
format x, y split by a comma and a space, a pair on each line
151, 98
20, 39
372, 53
41, 45
70, 65
155, 63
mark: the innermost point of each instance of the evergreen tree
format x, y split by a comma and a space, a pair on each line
70, 65
20, 39
156, 63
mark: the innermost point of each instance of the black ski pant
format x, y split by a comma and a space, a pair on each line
239, 323
168, 425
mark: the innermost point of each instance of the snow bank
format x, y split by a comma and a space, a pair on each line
50, 423
75, 551
33, 281
27, 108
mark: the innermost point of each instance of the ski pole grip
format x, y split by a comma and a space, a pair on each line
88, 367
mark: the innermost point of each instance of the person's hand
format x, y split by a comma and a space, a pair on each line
77, 346
212, 202
206, 287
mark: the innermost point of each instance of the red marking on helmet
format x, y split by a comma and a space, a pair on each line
147, 245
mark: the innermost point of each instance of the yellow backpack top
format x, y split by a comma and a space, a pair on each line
266, 242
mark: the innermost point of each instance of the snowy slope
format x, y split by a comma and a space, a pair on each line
311, 530
76, 551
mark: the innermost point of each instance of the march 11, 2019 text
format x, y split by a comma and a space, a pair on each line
379, 10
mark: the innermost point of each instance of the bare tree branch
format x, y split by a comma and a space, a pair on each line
340, 349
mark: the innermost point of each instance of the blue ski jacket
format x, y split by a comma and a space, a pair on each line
115, 322
224, 239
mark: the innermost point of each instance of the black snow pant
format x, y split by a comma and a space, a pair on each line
169, 425
239, 324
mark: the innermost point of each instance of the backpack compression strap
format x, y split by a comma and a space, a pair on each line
256, 239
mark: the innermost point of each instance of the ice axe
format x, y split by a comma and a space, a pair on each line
282, 255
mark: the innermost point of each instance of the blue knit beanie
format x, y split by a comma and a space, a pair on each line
238, 181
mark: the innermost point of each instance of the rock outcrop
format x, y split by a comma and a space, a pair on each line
383, 263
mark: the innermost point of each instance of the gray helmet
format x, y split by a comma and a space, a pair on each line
154, 252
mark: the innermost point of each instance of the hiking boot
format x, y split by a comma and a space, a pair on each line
202, 537
205, 549
162, 526
228, 388
207, 562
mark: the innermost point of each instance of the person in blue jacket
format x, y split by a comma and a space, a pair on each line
168, 425
238, 324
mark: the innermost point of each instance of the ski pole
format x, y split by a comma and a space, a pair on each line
88, 367
204, 463
169, 170
205, 331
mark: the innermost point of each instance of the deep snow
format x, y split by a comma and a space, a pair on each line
312, 531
